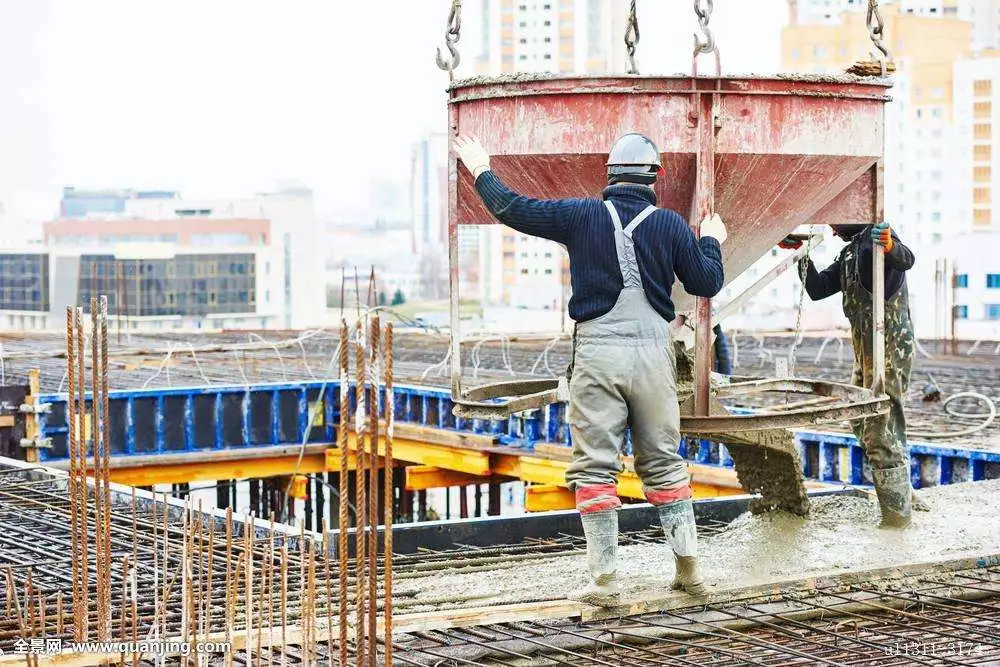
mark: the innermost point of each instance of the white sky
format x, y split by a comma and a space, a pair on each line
227, 97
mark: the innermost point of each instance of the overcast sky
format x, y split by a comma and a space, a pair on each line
227, 97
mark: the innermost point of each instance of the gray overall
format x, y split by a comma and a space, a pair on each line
623, 376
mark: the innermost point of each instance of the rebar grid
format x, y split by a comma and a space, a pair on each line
135, 570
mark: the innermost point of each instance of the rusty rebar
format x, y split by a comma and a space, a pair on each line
361, 500
329, 590
96, 436
390, 501
373, 460
106, 454
72, 411
344, 498
84, 499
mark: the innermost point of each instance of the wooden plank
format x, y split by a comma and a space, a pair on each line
441, 436
476, 616
567, 609
31, 427
6, 421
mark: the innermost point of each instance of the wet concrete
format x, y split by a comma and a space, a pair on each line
841, 535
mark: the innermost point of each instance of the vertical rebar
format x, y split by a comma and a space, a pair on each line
95, 439
283, 600
342, 440
106, 461
270, 593
373, 492
83, 501
72, 414
329, 590
360, 501
229, 576
390, 503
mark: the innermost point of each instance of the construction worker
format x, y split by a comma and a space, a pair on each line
624, 255
882, 438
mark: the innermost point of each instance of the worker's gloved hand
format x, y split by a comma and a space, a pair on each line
473, 155
790, 244
715, 228
882, 235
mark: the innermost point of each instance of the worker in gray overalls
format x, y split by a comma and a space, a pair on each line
882, 438
624, 256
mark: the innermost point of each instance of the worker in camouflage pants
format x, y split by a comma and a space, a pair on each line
625, 255
883, 438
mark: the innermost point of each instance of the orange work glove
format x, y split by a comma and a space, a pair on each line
882, 235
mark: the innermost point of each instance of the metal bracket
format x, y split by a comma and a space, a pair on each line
36, 443
38, 409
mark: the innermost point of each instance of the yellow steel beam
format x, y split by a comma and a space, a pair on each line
546, 498
457, 459
203, 471
420, 478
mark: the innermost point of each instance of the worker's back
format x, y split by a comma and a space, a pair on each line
665, 247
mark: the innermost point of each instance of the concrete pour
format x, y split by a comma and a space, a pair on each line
841, 535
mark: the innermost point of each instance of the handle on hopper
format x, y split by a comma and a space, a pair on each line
878, 324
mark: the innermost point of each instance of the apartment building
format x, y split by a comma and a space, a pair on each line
557, 36
924, 174
977, 233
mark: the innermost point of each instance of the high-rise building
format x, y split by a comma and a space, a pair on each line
558, 36
922, 159
429, 194
976, 233
561, 36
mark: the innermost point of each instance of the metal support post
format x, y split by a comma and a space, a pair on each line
878, 287
703, 207
453, 296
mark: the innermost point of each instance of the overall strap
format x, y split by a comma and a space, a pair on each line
624, 246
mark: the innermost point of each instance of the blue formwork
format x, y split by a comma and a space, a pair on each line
148, 422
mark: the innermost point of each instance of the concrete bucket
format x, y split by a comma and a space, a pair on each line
766, 153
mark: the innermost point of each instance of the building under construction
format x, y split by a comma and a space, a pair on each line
252, 497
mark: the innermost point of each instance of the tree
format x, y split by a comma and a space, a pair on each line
381, 298
398, 299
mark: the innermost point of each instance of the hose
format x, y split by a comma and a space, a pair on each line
989, 417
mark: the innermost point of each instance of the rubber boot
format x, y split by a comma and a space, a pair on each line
895, 495
601, 531
677, 519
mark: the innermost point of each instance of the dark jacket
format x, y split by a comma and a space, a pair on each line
665, 245
821, 284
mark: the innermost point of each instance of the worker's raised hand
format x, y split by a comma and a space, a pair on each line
882, 236
714, 227
473, 155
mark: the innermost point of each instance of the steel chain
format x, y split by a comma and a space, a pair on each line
706, 42
803, 268
451, 37
631, 38
876, 28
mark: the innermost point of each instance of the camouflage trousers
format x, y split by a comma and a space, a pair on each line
883, 438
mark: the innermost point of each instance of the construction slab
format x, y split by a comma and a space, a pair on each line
840, 536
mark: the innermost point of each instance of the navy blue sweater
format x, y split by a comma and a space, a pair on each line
665, 245
821, 284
